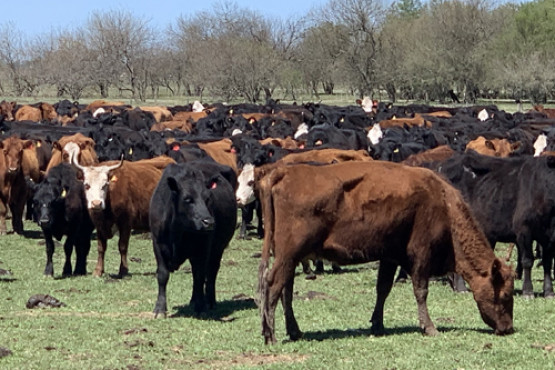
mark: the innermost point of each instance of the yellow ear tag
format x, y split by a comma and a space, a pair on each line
39, 144
64, 193
252, 120
114, 178
130, 151
396, 151
342, 120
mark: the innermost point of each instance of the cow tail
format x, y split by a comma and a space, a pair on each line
264, 274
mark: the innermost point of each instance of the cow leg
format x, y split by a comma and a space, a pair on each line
123, 246
287, 303
386, 273
213, 268
526, 256
198, 267
3, 211
17, 216
420, 288
246, 218
49, 268
99, 269
547, 262
82, 248
271, 287
68, 249
260, 227
162, 276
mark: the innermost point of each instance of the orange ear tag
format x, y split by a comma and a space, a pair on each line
114, 178
214, 185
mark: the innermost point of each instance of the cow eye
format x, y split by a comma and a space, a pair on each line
188, 200
87, 186
250, 183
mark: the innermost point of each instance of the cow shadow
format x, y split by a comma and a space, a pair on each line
332, 334
222, 312
7, 280
33, 234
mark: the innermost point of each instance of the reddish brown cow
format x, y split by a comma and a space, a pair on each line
327, 156
368, 211
118, 198
184, 126
84, 148
221, 152
6, 110
160, 114
190, 117
549, 112
43, 111
435, 155
492, 147
13, 188
103, 104
417, 120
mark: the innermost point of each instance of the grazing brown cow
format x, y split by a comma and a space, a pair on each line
368, 211
43, 111
13, 188
83, 148
118, 197
103, 104
492, 147
6, 110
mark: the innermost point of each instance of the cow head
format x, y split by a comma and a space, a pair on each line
6, 110
47, 201
96, 180
189, 193
494, 296
245, 189
13, 151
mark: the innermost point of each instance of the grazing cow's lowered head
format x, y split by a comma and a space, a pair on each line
96, 180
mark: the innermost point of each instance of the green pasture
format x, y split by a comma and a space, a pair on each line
107, 323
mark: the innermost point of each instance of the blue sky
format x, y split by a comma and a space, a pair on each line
34, 17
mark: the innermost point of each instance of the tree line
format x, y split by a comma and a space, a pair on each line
401, 50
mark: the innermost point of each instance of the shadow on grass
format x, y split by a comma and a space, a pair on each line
7, 280
518, 293
33, 234
332, 334
222, 312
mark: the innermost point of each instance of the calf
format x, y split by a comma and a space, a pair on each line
362, 212
118, 197
192, 217
60, 208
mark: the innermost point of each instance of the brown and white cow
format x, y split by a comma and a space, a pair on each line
118, 197
371, 211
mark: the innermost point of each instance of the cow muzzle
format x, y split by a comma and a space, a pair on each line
96, 205
207, 224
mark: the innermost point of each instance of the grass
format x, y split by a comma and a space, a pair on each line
107, 323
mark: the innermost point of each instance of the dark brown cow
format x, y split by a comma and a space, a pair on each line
44, 111
370, 211
6, 110
13, 188
118, 198
82, 146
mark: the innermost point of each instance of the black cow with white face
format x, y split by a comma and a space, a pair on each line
192, 217
60, 208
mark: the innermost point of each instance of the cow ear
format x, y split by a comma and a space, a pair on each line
489, 145
172, 184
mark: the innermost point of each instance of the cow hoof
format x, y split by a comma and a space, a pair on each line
549, 295
310, 276
431, 332
160, 315
296, 335
528, 295
377, 330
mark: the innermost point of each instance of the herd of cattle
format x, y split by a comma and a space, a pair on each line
320, 178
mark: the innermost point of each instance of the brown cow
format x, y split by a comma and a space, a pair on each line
221, 152
13, 188
492, 147
435, 155
368, 211
43, 111
92, 107
84, 149
184, 126
118, 198
6, 110
549, 112
417, 120
160, 114
190, 117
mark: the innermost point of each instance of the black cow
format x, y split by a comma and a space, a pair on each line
514, 201
192, 216
60, 208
